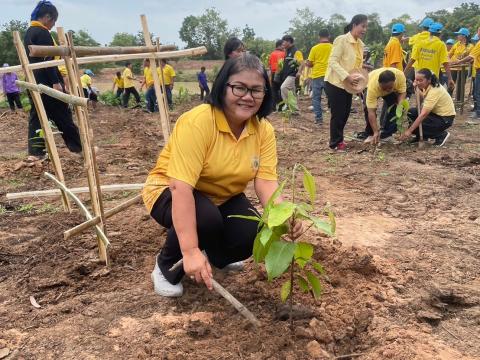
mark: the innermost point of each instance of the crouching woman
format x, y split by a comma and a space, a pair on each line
200, 177
438, 110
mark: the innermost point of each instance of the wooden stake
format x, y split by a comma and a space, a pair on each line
42, 116
164, 120
420, 127
66, 98
42, 51
164, 97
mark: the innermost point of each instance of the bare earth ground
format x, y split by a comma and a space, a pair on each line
403, 271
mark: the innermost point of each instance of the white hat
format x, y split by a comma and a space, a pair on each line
5, 65
362, 76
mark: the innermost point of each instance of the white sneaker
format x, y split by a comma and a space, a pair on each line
162, 286
236, 266
310, 108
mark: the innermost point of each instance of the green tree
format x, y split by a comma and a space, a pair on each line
336, 24
466, 15
375, 32
9, 53
248, 34
259, 46
304, 28
125, 39
83, 38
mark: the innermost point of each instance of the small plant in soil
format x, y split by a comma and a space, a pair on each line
288, 108
401, 115
278, 250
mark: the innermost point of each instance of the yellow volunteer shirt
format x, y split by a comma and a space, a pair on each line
86, 81
168, 74
203, 152
438, 101
319, 55
459, 51
346, 55
417, 38
298, 56
127, 81
147, 73
475, 53
374, 91
393, 54
430, 54
118, 82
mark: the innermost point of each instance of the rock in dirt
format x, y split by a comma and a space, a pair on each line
431, 317
317, 352
305, 333
455, 295
4, 353
320, 331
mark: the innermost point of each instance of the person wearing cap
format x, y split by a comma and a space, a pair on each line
431, 54
391, 85
449, 43
88, 91
474, 56
292, 67
393, 54
459, 50
129, 85
438, 111
443, 77
11, 90
423, 35
346, 57
318, 61
43, 18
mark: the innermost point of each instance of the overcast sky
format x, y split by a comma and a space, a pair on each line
269, 18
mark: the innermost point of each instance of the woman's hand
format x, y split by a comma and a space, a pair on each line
353, 79
58, 87
196, 266
297, 229
406, 135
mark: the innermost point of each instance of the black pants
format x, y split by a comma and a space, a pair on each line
225, 240
92, 96
388, 123
277, 98
433, 125
119, 92
340, 106
61, 115
126, 95
14, 99
204, 92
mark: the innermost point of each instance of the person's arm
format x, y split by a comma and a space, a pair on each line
372, 119
184, 221
409, 65
408, 133
308, 63
173, 81
113, 87
466, 59
451, 83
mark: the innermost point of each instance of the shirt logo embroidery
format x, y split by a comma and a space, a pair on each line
255, 163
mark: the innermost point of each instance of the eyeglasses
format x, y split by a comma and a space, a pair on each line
241, 91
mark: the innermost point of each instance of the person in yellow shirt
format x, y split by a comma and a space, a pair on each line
200, 177
393, 54
128, 83
88, 91
391, 85
292, 67
431, 54
424, 34
474, 56
169, 79
318, 61
118, 82
346, 55
438, 110
150, 96
459, 50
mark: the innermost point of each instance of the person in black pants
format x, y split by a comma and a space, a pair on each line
43, 19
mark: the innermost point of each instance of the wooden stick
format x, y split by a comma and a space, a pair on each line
420, 127
227, 296
82, 207
164, 91
109, 58
89, 223
66, 98
164, 120
42, 116
78, 190
40, 51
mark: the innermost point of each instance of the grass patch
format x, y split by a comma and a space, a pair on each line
27, 208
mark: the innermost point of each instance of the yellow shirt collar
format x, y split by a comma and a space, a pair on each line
222, 123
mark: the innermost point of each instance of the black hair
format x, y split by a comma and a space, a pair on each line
128, 63
278, 43
288, 38
324, 33
356, 20
44, 8
119, 73
231, 45
202, 68
234, 66
163, 61
386, 77
429, 76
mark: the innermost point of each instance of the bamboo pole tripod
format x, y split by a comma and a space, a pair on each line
68, 51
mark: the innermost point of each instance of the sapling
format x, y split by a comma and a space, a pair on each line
288, 107
275, 245
400, 117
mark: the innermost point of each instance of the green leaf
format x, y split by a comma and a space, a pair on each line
315, 283
317, 266
309, 184
265, 235
279, 213
303, 253
254, 218
279, 257
399, 111
280, 230
303, 284
259, 251
286, 289
333, 222
271, 202
321, 225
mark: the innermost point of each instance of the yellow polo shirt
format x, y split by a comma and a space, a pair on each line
86, 81
118, 82
147, 73
374, 91
430, 54
475, 53
318, 56
127, 82
168, 74
459, 51
393, 53
438, 101
203, 152
347, 54
417, 38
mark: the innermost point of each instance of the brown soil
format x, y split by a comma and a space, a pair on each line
403, 270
